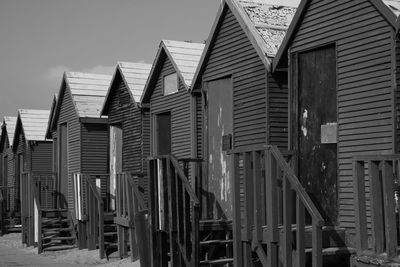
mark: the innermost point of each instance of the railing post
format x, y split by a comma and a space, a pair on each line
101, 228
272, 209
248, 208
300, 216
316, 244
359, 201
375, 188
258, 197
171, 180
287, 222
390, 216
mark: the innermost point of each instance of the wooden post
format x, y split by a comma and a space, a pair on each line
390, 215
257, 197
316, 244
287, 222
101, 228
248, 209
237, 234
359, 205
375, 188
300, 252
272, 209
172, 178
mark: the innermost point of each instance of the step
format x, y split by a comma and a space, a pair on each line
215, 242
55, 248
54, 210
215, 225
218, 261
110, 234
56, 230
333, 256
62, 238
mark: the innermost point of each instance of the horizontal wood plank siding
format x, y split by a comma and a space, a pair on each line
397, 95
199, 126
364, 82
179, 106
233, 54
42, 157
68, 115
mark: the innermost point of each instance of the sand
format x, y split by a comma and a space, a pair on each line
71, 256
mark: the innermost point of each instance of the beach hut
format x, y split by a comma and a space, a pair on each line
342, 58
11, 219
32, 167
82, 153
129, 129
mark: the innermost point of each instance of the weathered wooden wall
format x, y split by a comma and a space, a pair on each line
68, 115
364, 82
94, 148
42, 157
179, 106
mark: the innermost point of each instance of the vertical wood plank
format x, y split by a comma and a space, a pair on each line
359, 206
375, 188
237, 235
316, 244
258, 205
390, 215
248, 196
272, 209
287, 222
300, 239
171, 179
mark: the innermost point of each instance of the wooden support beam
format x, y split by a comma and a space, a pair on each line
237, 235
359, 206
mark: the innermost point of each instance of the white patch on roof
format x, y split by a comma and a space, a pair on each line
135, 75
271, 18
394, 5
88, 92
186, 56
10, 123
34, 123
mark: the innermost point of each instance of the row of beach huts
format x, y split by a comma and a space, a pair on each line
275, 143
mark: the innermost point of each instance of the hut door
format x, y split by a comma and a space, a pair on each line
163, 134
63, 175
317, 128
115, 160
219, 136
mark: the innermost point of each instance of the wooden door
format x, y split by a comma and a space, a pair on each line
115, 160
317, 128
163, 134
219, 136
63, 165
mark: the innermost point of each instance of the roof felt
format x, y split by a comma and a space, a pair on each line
135, 76
9, 123
394, 6
271, 18
34, 123
88, 92
185, 57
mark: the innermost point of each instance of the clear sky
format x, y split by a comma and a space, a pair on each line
40, 39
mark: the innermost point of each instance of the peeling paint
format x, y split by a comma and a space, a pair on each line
303, 125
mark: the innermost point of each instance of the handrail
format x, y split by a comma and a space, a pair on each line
307, 202
271, 222
185, 181
138, 194
381, 171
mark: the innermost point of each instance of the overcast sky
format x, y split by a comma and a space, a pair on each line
40, 39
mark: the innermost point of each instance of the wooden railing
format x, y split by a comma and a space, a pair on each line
89, 208
37, 214
270, 189
174, 211
129, 202
374, 178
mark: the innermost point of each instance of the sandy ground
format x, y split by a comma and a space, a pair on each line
72, 256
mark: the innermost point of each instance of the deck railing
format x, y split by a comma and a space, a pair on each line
174, 211
89, 211
375, 195
270, 189
129, 202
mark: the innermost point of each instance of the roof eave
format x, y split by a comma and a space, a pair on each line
386, 12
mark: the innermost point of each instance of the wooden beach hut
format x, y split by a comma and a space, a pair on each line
11, 213
82, 153
343, 62
32, 167
129, 129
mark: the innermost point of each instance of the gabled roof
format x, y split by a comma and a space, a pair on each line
134, 76
51, 117
88, 92
390, 10
265, 23
33, 123
9, 124
184, 56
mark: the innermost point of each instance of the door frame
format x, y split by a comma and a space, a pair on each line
154, 130
59, 151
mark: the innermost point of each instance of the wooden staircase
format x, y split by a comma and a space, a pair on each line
110, 234
215, 242
12, 223
57, 231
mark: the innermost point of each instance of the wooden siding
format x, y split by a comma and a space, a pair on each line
94, 148
42, 157
364, 82
68, 115
397, 95
145, 136
179, 106
199, 126
129, 117
278, 109
233, 54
